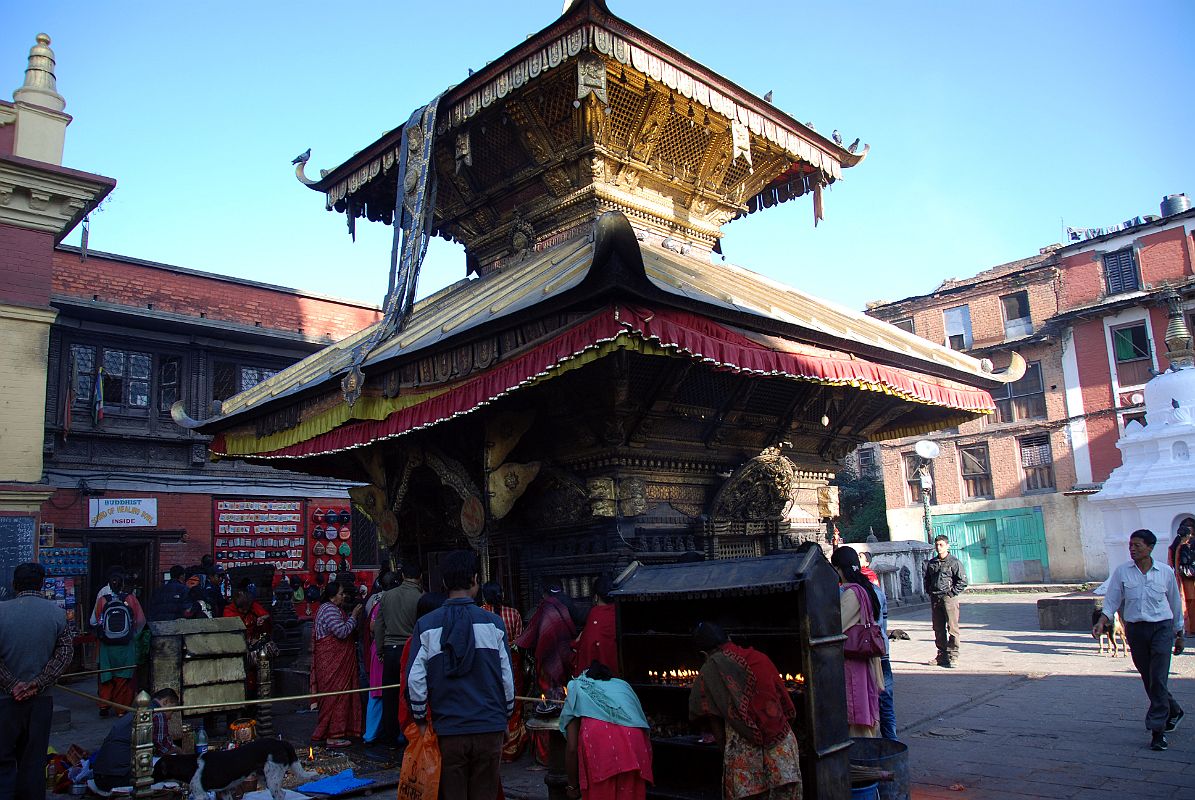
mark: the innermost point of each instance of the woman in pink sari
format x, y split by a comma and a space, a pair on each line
334, 667
864, 677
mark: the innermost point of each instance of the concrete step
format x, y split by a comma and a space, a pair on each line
1029, 588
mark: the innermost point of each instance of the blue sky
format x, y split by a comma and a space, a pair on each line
991, 124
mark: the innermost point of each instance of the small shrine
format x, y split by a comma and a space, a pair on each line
1154, 487
597, 389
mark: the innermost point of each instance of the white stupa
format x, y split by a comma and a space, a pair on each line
1154, 487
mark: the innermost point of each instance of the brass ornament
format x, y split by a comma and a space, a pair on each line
507, 484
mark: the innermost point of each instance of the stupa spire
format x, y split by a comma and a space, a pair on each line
1179, 351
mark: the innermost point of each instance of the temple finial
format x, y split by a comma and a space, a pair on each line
1179, 351
40, 87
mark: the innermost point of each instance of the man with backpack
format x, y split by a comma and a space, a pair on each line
119, 620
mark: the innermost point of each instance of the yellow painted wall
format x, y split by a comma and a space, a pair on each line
25, 334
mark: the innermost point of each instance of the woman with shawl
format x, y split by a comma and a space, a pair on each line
1182, 561
597, 641
859, 603
334, 667
516, 732
740, 692
373, 664
549, 637
608, 750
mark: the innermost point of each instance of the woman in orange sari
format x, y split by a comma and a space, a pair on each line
334, 667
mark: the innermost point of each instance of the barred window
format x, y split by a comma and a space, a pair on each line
1023, 399
229, 378
1037, 462
131, 379
977, 471
867, 462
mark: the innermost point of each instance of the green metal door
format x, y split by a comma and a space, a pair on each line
981, 551
1023, 540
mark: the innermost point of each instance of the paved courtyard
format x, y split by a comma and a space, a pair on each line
1032, 713
1028, 714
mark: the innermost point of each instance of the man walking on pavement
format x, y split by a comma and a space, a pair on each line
1146, 594
35, 647
393, 626
944, 582
460, 675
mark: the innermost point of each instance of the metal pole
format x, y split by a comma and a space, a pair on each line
143, 746
926, 487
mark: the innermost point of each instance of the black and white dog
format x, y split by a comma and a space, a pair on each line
220, 771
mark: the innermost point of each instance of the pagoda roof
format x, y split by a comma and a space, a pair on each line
589, 26
610, 286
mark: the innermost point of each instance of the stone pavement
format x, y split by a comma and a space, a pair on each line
1028, 714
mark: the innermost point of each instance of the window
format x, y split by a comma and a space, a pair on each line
913, 479
1023, 399
130, 378
1016, 315
229, 378
977, 471
1037, 462
867, 462
1130, 345
1120, 271
905, 324
958, 327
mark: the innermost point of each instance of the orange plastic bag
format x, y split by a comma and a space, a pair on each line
419, 778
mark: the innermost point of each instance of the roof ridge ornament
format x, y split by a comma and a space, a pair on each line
40, 87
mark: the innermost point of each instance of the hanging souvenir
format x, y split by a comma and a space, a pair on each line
345, 533
318, 548
330, 533
319, 565
317, 514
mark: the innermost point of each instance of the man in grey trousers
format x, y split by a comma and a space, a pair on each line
35, 648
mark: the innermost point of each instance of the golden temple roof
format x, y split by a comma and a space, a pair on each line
574, 271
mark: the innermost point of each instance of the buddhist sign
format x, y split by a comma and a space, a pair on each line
122, 512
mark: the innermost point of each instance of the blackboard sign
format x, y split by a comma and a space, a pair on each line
17, 535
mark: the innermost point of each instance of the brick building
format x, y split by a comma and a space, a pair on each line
98, 348
1010, 490
165, 334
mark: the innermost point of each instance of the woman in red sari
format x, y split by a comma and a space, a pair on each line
548, 637
334, 667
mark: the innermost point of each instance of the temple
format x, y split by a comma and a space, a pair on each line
600, 391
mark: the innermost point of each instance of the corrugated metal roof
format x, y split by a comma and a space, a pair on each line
740, 576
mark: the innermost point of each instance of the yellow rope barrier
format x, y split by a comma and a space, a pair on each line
95, 698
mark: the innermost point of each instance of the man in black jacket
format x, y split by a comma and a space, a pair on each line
944, 582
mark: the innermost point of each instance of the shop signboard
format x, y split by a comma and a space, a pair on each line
122, 512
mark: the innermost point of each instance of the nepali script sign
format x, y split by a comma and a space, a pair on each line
122, 512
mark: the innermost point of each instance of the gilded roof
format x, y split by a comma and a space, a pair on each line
538, 284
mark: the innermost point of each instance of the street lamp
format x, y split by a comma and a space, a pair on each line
926, 451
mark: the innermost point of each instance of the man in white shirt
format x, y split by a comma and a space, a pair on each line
1146, 594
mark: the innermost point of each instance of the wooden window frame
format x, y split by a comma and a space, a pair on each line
154, 413
1018, 401
977, 485
1120, 270
1132, 371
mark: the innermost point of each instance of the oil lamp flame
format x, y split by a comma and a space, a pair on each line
310, 753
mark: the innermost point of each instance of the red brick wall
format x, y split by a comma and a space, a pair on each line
1164, 257
25, 264
124, 283
190, 513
